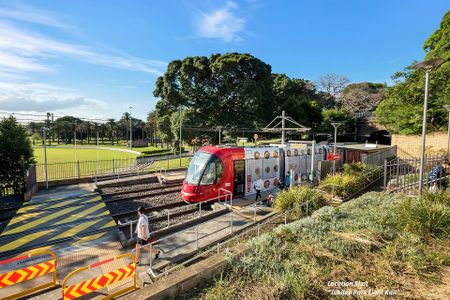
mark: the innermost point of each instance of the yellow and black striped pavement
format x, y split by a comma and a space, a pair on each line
53, 217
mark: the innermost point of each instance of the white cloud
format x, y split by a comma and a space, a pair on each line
222, 23
42, 98
28, 14
24, 51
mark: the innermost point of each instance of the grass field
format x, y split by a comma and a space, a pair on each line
82, 162
59, 155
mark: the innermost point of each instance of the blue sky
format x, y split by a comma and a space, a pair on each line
94, 59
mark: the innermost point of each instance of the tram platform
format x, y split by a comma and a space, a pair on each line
56, 216
183, 244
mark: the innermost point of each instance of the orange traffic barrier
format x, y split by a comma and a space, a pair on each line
27, 273
91, 285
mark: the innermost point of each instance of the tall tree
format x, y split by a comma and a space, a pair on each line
362, 97
165, 130
333, 84
232, 88
16, 155
298, 98
337, 115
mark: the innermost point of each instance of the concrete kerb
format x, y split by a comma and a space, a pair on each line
188, 278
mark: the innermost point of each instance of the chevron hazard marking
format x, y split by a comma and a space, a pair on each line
21, 275
96, 283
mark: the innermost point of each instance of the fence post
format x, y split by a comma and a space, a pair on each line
114, 166
168, 218
78, 169
231, 221
200, 210
196, 233
385, 175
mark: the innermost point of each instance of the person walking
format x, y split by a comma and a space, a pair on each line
287, 180
258, 187
143, 235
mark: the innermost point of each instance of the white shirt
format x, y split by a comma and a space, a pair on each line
259, 184
143, 223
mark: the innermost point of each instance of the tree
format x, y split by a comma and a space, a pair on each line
16, 155
337, 115
232, 88
401, 110
165, 129
298, 98
362, 97
332, 84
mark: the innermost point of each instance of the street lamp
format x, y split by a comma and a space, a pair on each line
448, 130
131, 132
180, 135
44, 131
335, 125
426, 65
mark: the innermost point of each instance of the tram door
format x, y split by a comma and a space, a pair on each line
239, 177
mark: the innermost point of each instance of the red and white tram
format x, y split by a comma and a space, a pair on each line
235, 169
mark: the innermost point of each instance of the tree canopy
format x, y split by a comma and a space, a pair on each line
362, 97
234, 90
401, 110
16, 155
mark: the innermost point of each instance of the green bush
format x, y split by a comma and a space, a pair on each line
156, 151
354, 177
341, 185
301, 200
427, 216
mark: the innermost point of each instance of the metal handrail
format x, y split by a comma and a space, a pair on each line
216, 247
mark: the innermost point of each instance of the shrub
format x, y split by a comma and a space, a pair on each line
359, 240
301, 200
427, 216
352, 180
341, 185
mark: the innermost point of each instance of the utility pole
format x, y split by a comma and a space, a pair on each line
448, 130
44, 130
273, 126
427, 65
131, 132
335, 125
219, 128
282, 127
180, 135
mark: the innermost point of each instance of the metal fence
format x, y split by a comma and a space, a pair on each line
104, 168
402, 175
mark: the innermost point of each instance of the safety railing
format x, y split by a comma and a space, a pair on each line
168, 212
403, 175
216, 247
105, 280
103, 168
17, 276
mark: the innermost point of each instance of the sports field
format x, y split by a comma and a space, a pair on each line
59, 154
68, 162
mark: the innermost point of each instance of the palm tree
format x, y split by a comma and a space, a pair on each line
111, 126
